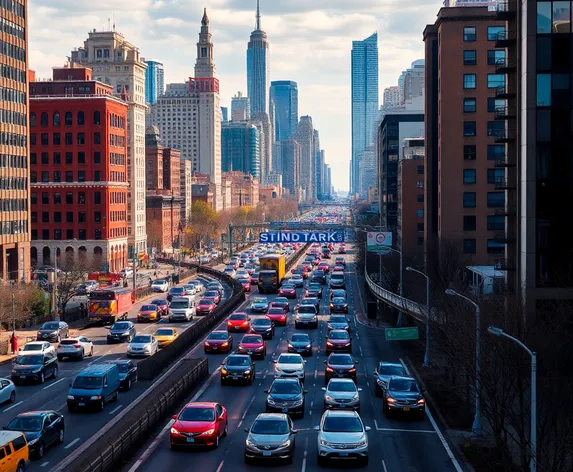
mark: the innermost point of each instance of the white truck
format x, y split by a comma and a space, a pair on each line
181, 309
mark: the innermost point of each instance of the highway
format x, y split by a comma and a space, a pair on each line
395, 445
52, 395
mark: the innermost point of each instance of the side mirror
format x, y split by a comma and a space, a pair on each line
324, 361
108, 327
368, 428
275, 361
357, 362
265, 391
359, 389
317, 428
375, 372
246, 430
305, 392
294, 431
174, 417
324, 389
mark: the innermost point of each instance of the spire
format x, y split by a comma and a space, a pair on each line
205, 20
258, 24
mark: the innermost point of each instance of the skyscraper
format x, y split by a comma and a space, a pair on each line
284, 96
287, 156
224, 114
258, 75
240, 108
305, 137
364, 100
240, 148
317, 171
154, 81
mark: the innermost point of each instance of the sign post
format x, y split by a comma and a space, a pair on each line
401, 334
302, 237
378, 241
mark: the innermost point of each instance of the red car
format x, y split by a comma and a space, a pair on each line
280, 302
307, 266
326, 255
324, 266
205, 306
253, 344
277, 315
340, 261
342, 250
288, 291
246, 283
218, 341
338, 340
198, 424
163, 305
301, 271
339, 268
213, 294
240, 322
255, 279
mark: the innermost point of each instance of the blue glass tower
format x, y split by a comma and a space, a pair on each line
284, 96
258, 68
154, 81
240, 148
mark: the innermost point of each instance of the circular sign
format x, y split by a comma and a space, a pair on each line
380, 238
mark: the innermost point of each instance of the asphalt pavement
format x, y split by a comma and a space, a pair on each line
395, 445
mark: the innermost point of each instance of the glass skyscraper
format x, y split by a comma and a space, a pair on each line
284, 96
240, 148
258, 74
154, 81
364, 100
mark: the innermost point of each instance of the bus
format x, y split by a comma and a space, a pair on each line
110, 305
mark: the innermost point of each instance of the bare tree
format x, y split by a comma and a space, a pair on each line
69, 280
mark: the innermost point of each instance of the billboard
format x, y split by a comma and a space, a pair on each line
302, 237
378, 241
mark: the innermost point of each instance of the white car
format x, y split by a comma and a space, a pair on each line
242, 274
77, 347
7, 391
204, 260
37, 346
342, 436
191, 289
341, 394
290, 365
127, 272
297, 280
199, 287
160, 286
142, 345
230, 271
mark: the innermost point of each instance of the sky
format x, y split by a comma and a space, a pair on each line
310, 43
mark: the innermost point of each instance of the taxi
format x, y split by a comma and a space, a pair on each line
165, 336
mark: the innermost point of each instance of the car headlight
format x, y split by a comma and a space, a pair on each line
71, 397
250, 443
271, 401
298, 402
33, 441
247, 372
308, 346
362, 443
324, 443
36, 369
174, 431
286, 443
95, 397
381, 382
224, 371
328, 398
208, 432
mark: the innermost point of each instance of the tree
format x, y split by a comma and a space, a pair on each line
29, 302
203, 227
68, 282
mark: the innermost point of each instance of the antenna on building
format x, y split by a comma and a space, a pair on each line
113, 16
258, 23
109, 24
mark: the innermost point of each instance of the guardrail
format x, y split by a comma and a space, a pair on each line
106, 452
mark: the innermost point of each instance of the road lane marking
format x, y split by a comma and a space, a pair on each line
400, 430
13, 406
303, 468
246, 411
44, 464
72, 443
54, 383
220, 466
118, 407
384, 466
360, 349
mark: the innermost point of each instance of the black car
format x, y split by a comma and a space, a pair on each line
340, 366
338, 305
36, 367
175, 292
404, 395
286, 395
121, 332
311, 300
215, 286
127, 373
238, 368
53, 331
264, 327
301, 344
41, 428
338, 293
314, 290
281, 302
318, 276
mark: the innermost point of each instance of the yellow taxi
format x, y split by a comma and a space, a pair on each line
165, 336
14, 452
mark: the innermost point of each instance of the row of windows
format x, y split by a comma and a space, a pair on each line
553, 17
12, 117
493, 105
116, 121
9, 72
493, 246
493, 176
69, 198
117, 197
14, 227
13, 51
547, 84
81, 216
11, 161
493, 81
12, 95
494, 223
494, 128
69, 176
116, 159
7, 26
68, 139
117, 141
14, 7
13, 139
495, 152
71, 234
494, 56
14, 204
13, 183
470, 33
494, 199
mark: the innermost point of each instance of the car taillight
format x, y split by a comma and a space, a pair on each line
59, 346
77, 345
283, 317
331, 305
229, 323
207, 344
421, 401
352, 370
329, 369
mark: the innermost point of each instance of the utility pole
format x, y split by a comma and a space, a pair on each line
13, 312
134, 270
55, 285
230, 239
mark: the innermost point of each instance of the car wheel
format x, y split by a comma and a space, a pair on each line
101, 405
60, 358
290, 458
365, 461
377, 391
247, 460
40, 450
386, 410
42, 378
21, 467
82, 355
422, 415
61, 436
13, 396
55, 372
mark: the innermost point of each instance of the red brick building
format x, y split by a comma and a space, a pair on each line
78, 170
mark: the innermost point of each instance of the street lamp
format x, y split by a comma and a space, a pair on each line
399, 251
533, 433
427, 353
476, 426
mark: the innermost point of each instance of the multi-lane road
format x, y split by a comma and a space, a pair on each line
395, 445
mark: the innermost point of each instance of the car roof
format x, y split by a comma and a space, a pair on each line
340, 354
337, 331
37, 342
341, 413
239, 355
37, 413
341, 381
200, 405
393, 364
271, 416
7, 436
96, 369
286, 379
403, 377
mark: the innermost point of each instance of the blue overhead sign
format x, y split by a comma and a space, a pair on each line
302, 237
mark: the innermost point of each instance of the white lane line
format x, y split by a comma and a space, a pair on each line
384, 466
72, 443
54, 383
44, 464
118, 407
399, 430
443, 440
315, 373
360, 349
303, 469
245, 413
220, 466
13, 406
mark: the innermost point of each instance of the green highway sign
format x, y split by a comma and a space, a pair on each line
401, 334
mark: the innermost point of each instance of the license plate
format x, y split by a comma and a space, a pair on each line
406, 408
344, 454
285, 410
190, 440
340, 375
81, 404
235, 377
214, 348
266, 453
250, 352
22, 376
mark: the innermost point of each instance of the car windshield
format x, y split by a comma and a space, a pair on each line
309, 301
314, 287
340, 359
338, 319
238, 317
289, 359
179, 304
280, 300
149, 308
339, 301
338, 294
245, 281
260, 300
211, 294
164, 332
288, 287
404, 385
53, 326
88, 382
218, 335
159, 282
334, 386
276, 311
176, 290
236, 360
122, 367
269, 427
285, 388
262, 322
159, 302
307, 308
389, 369
337, 276
342, 424
120, 326
300, 338
297, 276
33, 347
251, 340
25, 424
338, 335
141, 339
30, 360
197, 414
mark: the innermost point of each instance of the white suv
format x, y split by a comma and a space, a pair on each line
38, 346
290, 365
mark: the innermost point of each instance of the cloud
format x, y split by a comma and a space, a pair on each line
310, 42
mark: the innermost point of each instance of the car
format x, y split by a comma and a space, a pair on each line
214, 285
271, 436
341, 394
342, 436
239, 368
53, 331
338, 322
87, 287
218, 341
246, 283
310, 258
324, 267
307, 266
326, 254
242, 274
338, 305
288, 290
254, 345
277, 316
314, 290
37, 367
77, 347
384, 372
300, 343
176, 292
165, 336
290, 365
339, 268
337, 280
205, 306
199, 287
311, 301
230, 271
297, 280
42, 429
160, 285
338, 340
127, 272
263, 326
142, 345
163, 306
127, 373
286, 395
338, 293
204, 260
239, 322
318, 276
214, 294
121, 331
300, 271
7, 391
342, 250
306, 315
281, 302
148, 313
340, 261
37, 346
403, 395
191, 289
255, 278
339, 365
199, 424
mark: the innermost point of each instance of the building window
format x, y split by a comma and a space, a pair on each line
495, 223
33, 177
97, 216
420, 213
45, 176
97, 198
495, 152
495, 128
34, 217
57, 217
203, 52
495, 56
33, 139
495, 247
69, 176
56, 139
81, 118
469, 33
97, 137
33, 158
69, 234
420, 240
58, 234
57, 176
82, 217
97, 157
82, 198
420, 227
69, 216
45, 217
33, 198
97, 234
97, 176
469, 223
495, 175
495, 199
45, 234
97, 118
69, 139
68, 119
469, 152
56, 119
420, 198
420, 170
81, 157
494, 103
44, 119
44, 140
34, 235
69, 157
69, 198
544, 17
81, 138
45, 158
543, 90
469, 128
493, 32
470, 81
495, 80
469, 246
81, 175
32, 119
469, 199
469, 176
470, 105
57, 158
57, 198
45, 198
470, 58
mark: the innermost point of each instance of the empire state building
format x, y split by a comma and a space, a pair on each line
258, 77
